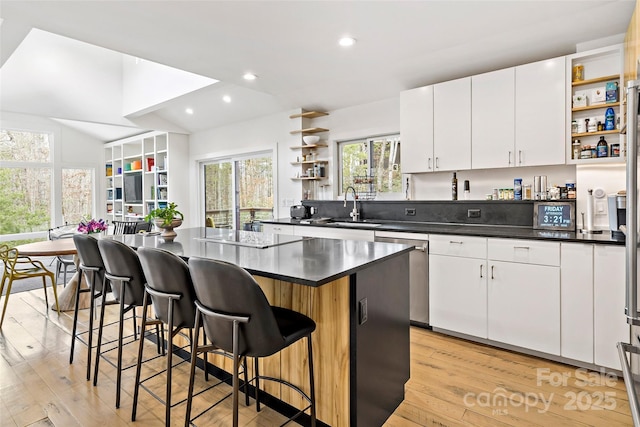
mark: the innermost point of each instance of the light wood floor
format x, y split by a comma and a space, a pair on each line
453, 383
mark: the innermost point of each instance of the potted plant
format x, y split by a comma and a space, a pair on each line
166, 219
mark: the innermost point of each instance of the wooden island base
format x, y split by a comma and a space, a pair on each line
360, 369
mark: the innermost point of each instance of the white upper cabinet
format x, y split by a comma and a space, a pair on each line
540, 113
416, 129
493, 119
452, 125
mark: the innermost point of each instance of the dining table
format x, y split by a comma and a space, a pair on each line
66, 298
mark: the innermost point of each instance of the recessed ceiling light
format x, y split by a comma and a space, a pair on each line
250, 76
189, 111
226, 98
346, 41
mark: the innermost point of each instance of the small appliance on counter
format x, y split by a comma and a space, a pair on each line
300, 212
617, 204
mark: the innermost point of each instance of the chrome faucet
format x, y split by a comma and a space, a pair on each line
354, 213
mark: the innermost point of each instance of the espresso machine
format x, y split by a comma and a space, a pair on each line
617, 214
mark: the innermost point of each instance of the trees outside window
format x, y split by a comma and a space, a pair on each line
238, 191
25, 181
371, 165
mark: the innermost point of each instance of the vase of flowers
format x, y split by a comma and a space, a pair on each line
166, 219
92, 226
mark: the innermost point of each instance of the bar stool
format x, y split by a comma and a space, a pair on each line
125, 275
238, 319
92, 268
171, 291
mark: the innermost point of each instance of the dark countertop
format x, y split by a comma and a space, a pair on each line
311, 262
469, 230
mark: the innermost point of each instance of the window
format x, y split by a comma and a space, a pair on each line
238, 191
77, 194
371, 166
25, 180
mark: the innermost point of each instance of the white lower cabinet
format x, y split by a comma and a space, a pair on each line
458, 284
524, 293
524, 305
334, 233
610, 323
576, 301
277, 228
458, 294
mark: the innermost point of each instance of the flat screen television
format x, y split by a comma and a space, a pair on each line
133, 188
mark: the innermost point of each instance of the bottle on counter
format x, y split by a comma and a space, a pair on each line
517, 189
467, 190
602, 148
454, 187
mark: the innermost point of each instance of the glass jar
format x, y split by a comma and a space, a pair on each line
576, 148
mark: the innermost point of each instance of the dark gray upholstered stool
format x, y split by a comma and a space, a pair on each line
92, 268
237, 318
170, 289
127, 280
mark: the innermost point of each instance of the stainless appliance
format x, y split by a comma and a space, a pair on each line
631, 365
418, 274
617, 209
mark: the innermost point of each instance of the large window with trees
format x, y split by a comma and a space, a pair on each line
238, 191
371, 166
25, 181
77, 194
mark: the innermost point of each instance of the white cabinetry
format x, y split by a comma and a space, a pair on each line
609, 300
278, 228
540, 113
138, 178
334, 233
524, 294
458, 284
416, 129
492, 119
452, 125
576, 301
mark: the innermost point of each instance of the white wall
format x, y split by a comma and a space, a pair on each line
273, 133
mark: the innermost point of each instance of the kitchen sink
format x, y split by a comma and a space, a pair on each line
355, 224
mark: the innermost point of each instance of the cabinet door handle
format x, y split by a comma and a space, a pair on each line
437, 162
509, 156
454, 242
521, 247
492, 272
520, 156
429, 163
481, 275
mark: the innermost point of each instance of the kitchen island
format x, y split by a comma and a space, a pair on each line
357, 293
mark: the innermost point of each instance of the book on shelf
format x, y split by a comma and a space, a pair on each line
150, 163
162, 179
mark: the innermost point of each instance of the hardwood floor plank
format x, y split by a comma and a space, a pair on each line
38, 386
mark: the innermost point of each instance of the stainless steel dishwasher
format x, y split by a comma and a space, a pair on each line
418, 274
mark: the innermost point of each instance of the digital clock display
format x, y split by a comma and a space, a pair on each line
554, 216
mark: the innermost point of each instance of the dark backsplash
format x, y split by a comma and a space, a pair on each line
499, 212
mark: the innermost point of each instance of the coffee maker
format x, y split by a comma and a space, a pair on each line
617, 213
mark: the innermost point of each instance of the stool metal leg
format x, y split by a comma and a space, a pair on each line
312, 387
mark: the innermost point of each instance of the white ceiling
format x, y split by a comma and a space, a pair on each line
290, 45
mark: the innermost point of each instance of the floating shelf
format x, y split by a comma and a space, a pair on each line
297, 147
595, 107
309, 178
310, 162
596, 80
309, 115
308, 131
597, 160
602, 132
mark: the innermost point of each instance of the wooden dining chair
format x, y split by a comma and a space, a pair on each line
18, 267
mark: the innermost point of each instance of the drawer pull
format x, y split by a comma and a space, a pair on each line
521, 247
453, 242
492, 267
